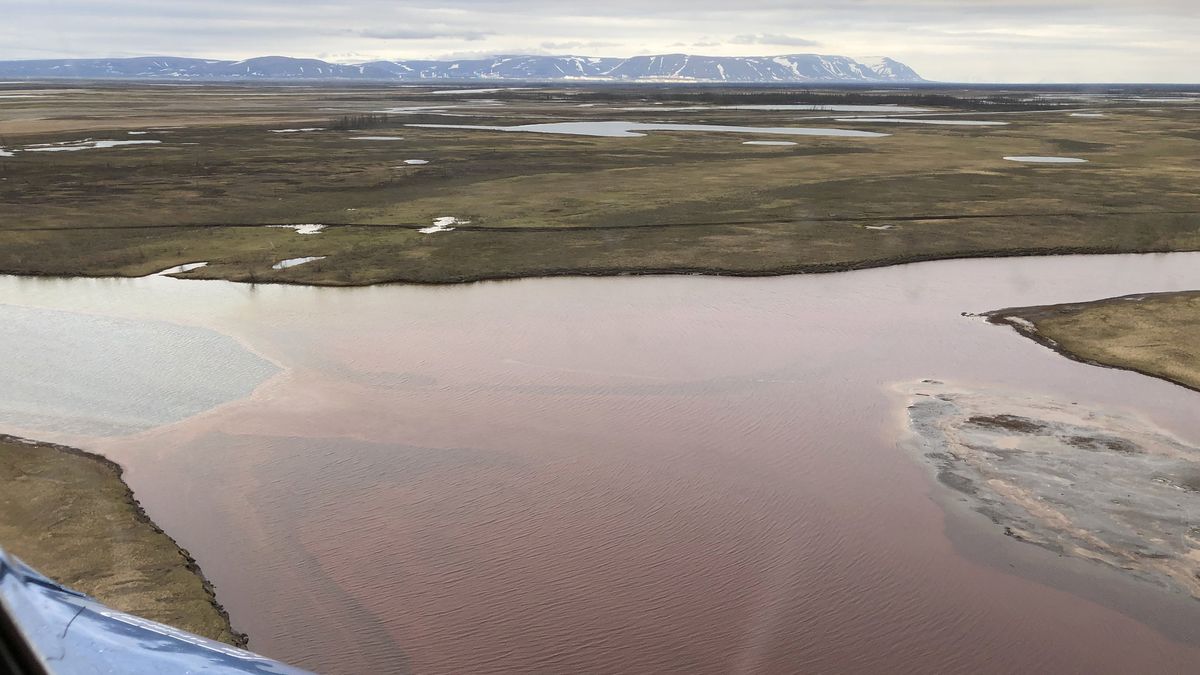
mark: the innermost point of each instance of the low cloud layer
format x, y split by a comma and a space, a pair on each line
773, 39
949, 40
433, 33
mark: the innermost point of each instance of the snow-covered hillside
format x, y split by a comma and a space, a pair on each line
664, 67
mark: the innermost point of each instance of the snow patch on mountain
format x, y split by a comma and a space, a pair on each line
658, 68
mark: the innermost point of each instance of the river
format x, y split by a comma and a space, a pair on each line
603, 475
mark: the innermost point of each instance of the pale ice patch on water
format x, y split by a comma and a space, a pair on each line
768, 142
416, 161
295, 131
292, 262
442, 224
1087, 114
477, 91
114, 144
1164, 99
909, 120
440, 109
113, 376
412, 109
1036, 159
86, 144
303, 228
782, 108
180, 269
137, 133
376, 138
7, 153
619, 129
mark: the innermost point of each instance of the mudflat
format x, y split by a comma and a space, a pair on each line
1154, 334
68, 514
1101, 485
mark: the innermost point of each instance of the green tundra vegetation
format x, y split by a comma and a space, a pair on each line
1155, 334
541, 204
68, 514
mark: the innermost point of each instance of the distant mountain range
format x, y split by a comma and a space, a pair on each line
664, 68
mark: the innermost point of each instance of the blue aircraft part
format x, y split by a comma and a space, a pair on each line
52, 629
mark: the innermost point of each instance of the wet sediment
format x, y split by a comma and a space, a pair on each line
1095, 484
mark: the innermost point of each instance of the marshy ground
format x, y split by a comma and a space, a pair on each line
233, 158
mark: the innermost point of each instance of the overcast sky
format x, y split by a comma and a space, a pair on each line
948, 40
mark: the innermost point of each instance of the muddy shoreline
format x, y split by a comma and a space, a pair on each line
181, 592
207, 273
1024, 320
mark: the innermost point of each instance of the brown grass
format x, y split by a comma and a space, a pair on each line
542, 204
69, 515
1152, 334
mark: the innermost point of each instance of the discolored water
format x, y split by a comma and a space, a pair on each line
622, 129
683, 474
910, 120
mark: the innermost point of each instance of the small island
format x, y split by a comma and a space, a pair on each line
1153, 334
1072, 477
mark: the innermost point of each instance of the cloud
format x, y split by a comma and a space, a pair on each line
429, 33
950, 40
773, 39
344, 57
468, 55
579, 44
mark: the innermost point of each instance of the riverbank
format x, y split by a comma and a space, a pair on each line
1153, 334
68, 514
610, 263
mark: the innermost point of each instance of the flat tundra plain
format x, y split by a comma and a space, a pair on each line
124, 179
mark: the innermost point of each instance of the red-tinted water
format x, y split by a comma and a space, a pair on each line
634, 474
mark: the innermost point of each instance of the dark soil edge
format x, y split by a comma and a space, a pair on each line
239, 639
1005, 317
204, 273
